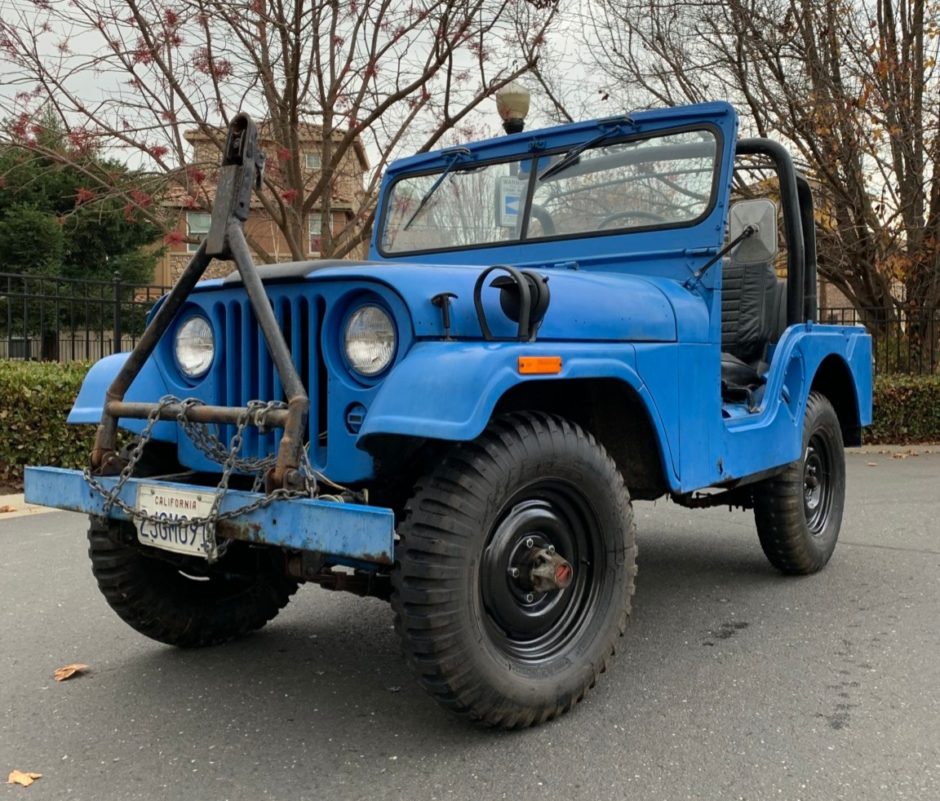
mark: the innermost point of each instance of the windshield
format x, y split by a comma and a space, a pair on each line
659, 181
458, 213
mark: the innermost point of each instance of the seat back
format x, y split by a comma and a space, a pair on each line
753, 308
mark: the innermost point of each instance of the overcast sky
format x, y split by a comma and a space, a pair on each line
562, 59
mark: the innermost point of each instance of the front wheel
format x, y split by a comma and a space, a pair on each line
799, 511
185, 601
514, 571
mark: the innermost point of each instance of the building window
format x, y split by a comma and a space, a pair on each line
315, 223
312, 161
197, 224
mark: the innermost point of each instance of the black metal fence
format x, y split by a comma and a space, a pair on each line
70, 319
904, 340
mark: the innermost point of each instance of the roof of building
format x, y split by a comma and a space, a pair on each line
177, 196
306, 132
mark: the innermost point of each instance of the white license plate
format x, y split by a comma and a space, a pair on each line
174, 508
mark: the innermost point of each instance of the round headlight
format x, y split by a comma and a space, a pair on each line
369, 340
195, 346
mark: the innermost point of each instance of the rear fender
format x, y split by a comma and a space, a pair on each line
835, 360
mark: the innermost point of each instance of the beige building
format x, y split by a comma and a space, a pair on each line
192, 220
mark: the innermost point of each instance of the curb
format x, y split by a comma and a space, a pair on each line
897, 451
14, 506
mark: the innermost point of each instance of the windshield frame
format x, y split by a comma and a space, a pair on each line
533, 156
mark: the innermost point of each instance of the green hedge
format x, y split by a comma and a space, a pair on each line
906, 410
35, 398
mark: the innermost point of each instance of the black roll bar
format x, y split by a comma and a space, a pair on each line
808, 220
795, 220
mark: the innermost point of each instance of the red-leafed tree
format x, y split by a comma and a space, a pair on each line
386, 76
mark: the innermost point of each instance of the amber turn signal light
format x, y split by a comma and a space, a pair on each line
539, 365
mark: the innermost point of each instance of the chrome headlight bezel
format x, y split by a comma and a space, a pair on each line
195, 363
369, 359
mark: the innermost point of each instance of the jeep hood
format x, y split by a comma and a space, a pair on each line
584, 305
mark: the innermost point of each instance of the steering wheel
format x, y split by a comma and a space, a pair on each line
634, 213
540, 213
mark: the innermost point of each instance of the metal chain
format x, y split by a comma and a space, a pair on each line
213, 448
136, 453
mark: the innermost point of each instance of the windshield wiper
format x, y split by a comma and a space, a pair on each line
456, 155
571, 157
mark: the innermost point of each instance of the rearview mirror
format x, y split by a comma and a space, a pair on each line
760, 213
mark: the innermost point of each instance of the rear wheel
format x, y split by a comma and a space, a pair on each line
514, 572
185, 601
799, 511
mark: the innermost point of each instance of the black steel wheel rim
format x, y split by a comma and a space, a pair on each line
817, 483
526, 625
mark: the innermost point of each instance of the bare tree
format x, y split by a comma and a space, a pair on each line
852, 85
137, 74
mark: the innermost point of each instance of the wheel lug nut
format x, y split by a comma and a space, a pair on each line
529, 543
529, 597
514, 572
551, 549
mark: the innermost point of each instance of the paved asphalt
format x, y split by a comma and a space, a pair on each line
733, 682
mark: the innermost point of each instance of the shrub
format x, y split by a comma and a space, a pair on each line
35, 398
906, 409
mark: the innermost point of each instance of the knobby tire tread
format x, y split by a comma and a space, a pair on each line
778, 503
143, 592
434, 540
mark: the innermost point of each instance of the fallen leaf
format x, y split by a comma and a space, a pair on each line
24, 778
7, 508
63, 673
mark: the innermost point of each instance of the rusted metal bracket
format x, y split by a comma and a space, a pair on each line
241, 172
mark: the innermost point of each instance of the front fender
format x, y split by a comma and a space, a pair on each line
147, 387
448, 390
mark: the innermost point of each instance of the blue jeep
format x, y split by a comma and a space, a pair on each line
551, 325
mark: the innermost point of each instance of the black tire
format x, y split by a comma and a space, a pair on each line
483, 645
183, 601
799, 511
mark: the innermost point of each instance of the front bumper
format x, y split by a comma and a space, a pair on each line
344, 530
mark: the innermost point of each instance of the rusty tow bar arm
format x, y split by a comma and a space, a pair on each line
241, 172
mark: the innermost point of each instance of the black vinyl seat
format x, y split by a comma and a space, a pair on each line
753, 315
736, 373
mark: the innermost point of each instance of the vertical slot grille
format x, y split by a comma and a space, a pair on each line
318, 399
249, 372
233, 373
